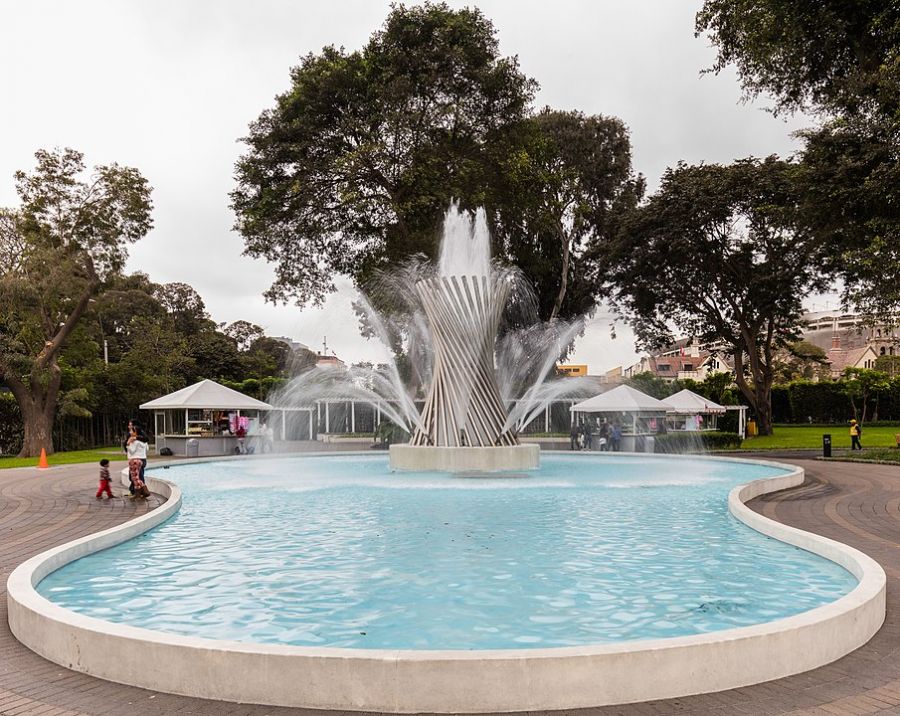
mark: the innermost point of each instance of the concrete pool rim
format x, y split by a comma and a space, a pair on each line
451, 681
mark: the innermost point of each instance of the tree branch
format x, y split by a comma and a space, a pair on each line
52, 347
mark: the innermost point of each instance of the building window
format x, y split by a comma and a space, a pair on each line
663, 367
882, 350
688, 366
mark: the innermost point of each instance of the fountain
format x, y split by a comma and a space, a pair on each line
464, 425
448, 316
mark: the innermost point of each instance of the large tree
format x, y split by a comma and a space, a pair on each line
840, 60
356, 163
718, 253
69, 232
564, 179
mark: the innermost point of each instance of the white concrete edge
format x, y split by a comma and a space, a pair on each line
403, 681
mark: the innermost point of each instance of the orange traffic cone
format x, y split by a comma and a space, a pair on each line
42, 463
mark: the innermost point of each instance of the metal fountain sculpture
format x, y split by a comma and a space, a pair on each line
464, 424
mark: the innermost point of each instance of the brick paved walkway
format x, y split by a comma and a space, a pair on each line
853, 503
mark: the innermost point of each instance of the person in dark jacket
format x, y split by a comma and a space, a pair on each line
588, 435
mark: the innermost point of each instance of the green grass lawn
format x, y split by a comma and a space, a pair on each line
113, 454
803, 436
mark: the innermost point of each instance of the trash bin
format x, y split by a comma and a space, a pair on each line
826, 446
649, 444
192, 448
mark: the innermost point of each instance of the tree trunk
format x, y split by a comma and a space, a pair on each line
763, 407
759, 393
37, 403
564, 274
38, 430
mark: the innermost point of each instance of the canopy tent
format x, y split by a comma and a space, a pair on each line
206, 395
205, 419
623, 399
687, 402
694, 412
640, 414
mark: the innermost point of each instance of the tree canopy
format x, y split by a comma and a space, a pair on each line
356, 163
565, 179
718, 253
352, 170
66, 307
834, 56
842, 61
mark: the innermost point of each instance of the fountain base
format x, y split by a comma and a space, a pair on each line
465, 459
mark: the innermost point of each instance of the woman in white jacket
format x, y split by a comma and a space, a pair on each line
136, 447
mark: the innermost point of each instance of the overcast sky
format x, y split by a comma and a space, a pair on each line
169, 86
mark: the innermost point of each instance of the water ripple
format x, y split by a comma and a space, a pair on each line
338, 551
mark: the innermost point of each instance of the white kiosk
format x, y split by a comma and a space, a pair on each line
204, 419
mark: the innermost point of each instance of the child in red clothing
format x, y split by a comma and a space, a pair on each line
104, 480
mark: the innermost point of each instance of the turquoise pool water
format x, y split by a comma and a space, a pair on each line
339, 551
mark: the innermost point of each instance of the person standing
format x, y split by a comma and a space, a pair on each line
573, 436
616, 435
855, 434
604, 435
588, 435
128, 432
136, 447
135, 431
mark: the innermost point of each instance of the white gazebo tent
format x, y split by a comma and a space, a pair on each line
198, 420
637, 412
692, 411
689, 406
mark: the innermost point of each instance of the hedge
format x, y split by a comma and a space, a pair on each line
695, 442
825, 402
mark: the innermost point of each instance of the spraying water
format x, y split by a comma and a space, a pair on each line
465, 245
477, 389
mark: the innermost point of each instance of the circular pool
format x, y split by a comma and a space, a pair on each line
341, 552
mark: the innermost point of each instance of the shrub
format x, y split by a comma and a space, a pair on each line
11, 429
694, 442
